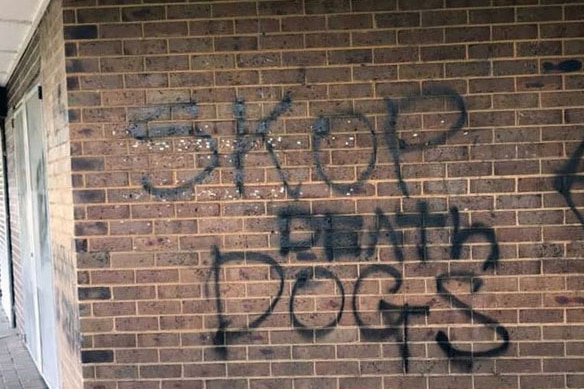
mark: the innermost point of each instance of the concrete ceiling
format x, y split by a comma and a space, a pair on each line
18, 19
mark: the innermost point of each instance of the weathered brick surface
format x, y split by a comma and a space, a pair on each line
44, 62
324, 193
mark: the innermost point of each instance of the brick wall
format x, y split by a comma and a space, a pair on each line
43, 62
60, 195
328, 194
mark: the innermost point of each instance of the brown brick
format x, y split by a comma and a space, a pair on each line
506, 68
541, 48
133, 292
259, 60
120, 30
167, 63
420, 71
490, 50
145, 46
539, 117
516, 167
146, 80
233, 9
418, 4
265, 25
336, 74
372, 5
350, 22
206, 370
441, 53
373, 38
241, 43
326, 39
539, 83
542, 381
517, 100
160, 371
444, 18
563, 365
515, 31
162, 29
501, 381
467, 34
450, 382
237, 77
190, 11
493, 15
114, 340
421, 36
358, 56
328, 6
492, 118
133, 14
354, 383
116, 372
397, 20
156, 276
136, 356
489, 85
539, 14
190, 78
288, 7
301, 58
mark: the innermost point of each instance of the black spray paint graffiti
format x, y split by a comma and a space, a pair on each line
142, 131
567, 177
321, 128
222, 336
66, 309
397, 145
340, 235
569, 65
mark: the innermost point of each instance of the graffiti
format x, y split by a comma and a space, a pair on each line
394, 316
569, 65
222, 336
335, 233
567, 177
339, 236
302, 279
461, 236
244, 143
142, 131
396, 145
66, 310
322, 128
441, 337
422, 220
318, 239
